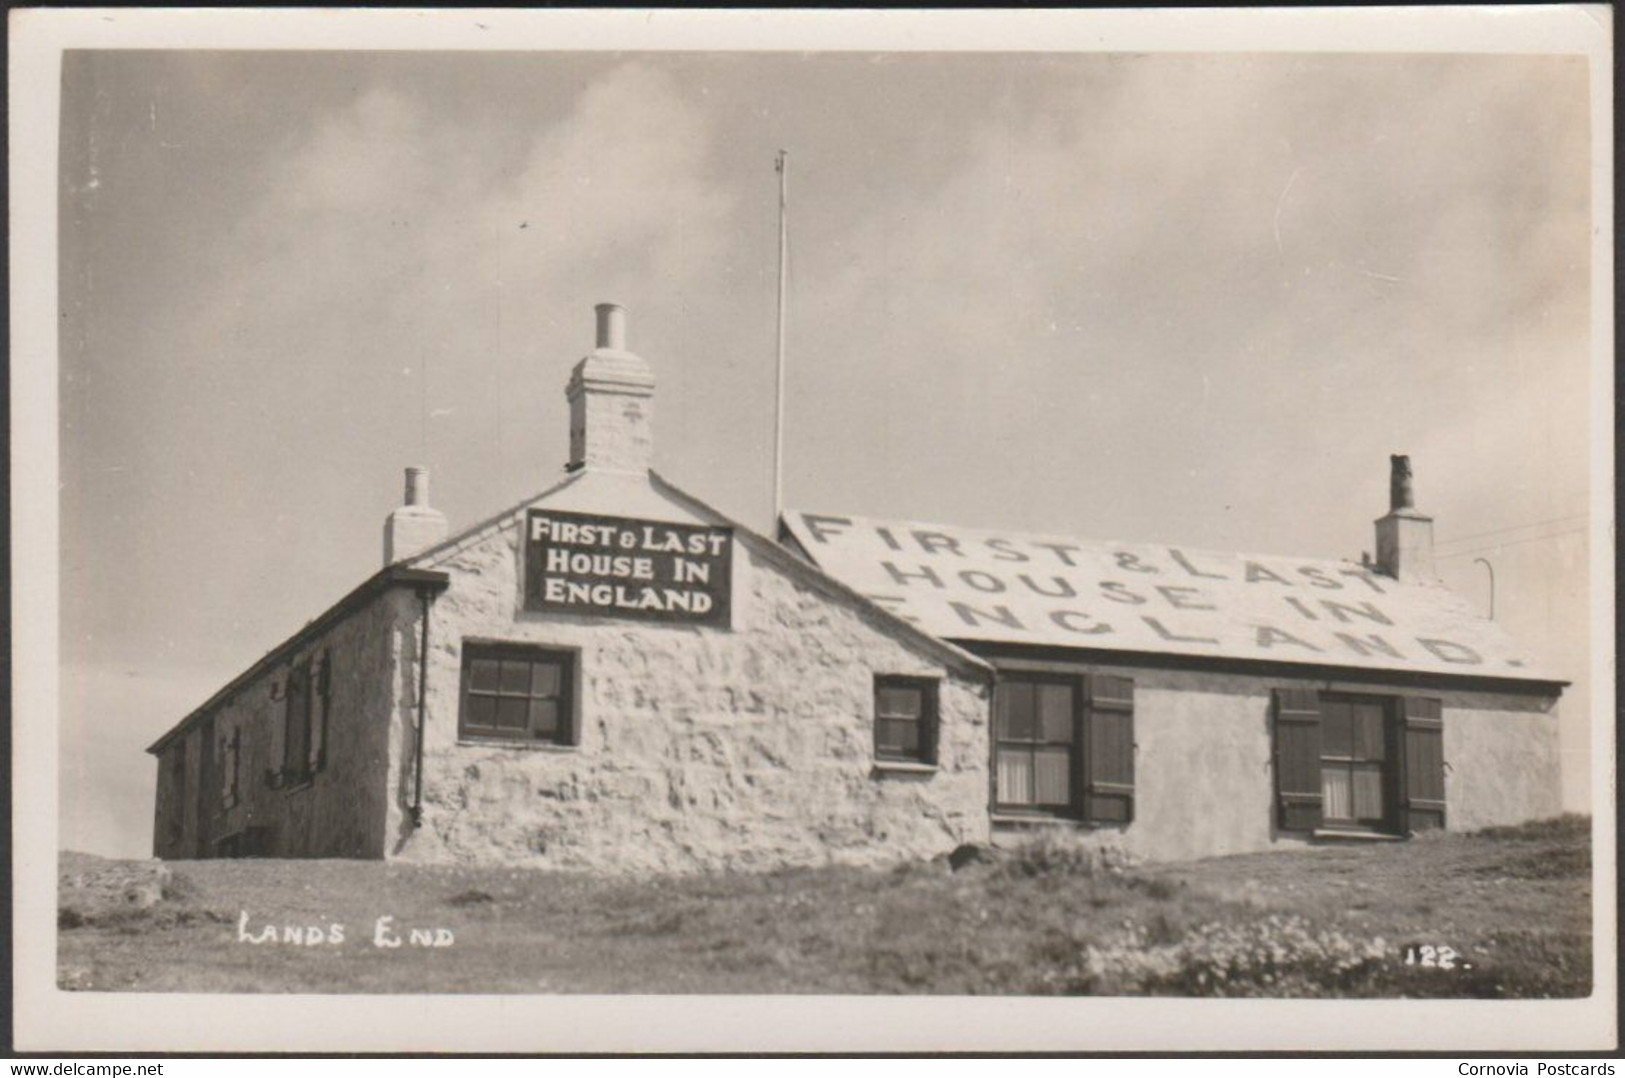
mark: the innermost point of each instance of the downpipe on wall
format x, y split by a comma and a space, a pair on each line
425, 597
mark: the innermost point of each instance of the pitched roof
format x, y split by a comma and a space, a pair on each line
420, 570
390, 576
620, 488
970, 584
829, 585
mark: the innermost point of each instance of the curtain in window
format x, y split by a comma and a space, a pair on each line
1035, 733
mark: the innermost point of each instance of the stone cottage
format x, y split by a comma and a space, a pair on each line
613, 675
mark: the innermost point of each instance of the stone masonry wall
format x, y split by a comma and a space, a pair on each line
699, 748
340, 812
169, 815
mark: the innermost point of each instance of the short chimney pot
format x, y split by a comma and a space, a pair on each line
415, 526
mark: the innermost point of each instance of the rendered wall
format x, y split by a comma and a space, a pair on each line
1204, 783
1503, 757
340, 812
699, 748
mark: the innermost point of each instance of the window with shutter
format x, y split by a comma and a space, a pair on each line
1110, 750
173, 799
1298, 780
1035, 744
1356, 773
230, 752
1355, 763
318, 724
207, 795
1064, 746
1422, 783
296, 724
236, 764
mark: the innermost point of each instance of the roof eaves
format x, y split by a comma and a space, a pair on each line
1014, 653
390, 576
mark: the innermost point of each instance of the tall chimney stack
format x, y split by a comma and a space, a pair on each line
611, 395
414, 527
1404, 536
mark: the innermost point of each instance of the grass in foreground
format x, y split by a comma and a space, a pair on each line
1514, 903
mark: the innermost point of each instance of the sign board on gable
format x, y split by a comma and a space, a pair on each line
973, 585
579, 563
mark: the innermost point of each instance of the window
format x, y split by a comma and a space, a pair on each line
1348, 762
296, 713
172, 800
305, 705
1037, 738
317, 753
516, 693
231, 745
906, 719
1064, 746
1354, 772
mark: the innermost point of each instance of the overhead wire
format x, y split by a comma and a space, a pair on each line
1514, 528
1512, 542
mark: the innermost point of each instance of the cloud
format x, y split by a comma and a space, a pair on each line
390, 232
1223, 267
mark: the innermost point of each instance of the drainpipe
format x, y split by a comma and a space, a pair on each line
423, 679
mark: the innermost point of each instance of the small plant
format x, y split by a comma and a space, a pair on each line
1049, 855
1278, 954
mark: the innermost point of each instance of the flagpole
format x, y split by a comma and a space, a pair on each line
781, 165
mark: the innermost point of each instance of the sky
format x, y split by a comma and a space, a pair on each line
1179, 298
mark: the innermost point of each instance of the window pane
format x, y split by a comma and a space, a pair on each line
1334, 790
1016, 710
482, 675
482, 711
1368, 792
544, 717
898, 736
1055, 712
1336, 736
1052, 778
511, 713
515, 677
544, 679
898, 702
1015, 777
1368, 732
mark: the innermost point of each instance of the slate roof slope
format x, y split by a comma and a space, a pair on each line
971, 585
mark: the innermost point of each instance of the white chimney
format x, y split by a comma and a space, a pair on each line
1404, 536
611, 395
414, 527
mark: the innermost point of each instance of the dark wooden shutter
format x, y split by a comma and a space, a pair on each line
208, 784
1297, 759
233, 765
172, 800
1421, 801
296, 721
318, 730
1109, 752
